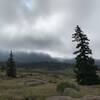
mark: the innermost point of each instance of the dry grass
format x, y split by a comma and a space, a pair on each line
18, 89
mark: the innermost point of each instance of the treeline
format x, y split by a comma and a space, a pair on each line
45, 65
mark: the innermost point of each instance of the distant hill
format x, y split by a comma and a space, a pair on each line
35, 57
26, 57
36, 60
32, 57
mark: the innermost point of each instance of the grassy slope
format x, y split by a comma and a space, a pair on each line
19, 88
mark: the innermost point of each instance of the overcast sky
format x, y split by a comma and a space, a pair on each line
47, 25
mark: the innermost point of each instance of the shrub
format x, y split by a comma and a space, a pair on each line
61, 86
70, 92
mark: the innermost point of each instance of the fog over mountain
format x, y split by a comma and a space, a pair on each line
34, 57
26, 57
23, 57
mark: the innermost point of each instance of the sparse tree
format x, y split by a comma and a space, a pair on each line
11, 67
85, 68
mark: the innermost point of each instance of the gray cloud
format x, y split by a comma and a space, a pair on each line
47, 25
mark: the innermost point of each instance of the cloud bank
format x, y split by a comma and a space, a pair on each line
47, 25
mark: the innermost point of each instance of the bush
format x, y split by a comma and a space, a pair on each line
70, 92
61, 86
30, 98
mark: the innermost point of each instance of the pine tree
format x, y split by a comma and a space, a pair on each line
11, 68
85, 68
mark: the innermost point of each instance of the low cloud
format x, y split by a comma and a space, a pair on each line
47, 25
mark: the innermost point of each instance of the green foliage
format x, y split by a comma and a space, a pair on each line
61, 86
85, 68
2, 68
11, 69
70, 92
30, 98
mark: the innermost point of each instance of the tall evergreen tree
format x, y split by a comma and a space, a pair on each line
85, 68
11, 68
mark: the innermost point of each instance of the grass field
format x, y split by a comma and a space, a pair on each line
38, 85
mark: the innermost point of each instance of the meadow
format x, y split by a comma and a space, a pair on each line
38, 85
